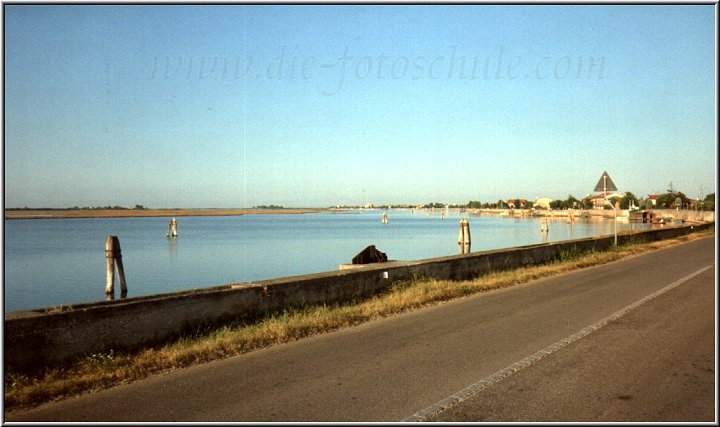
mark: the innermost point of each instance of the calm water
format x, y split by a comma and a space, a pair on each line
62, 261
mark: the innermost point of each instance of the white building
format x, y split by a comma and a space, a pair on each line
542, 203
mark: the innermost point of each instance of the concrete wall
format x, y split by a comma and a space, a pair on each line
49, 336
687, 215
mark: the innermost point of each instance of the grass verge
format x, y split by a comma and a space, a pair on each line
98, 371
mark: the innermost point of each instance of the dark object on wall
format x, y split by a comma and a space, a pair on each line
369, 255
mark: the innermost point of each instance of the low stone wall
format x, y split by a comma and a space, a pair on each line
50, 336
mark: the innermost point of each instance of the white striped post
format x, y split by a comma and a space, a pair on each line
464, 237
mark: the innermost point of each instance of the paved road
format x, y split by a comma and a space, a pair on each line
655, 363
390, 369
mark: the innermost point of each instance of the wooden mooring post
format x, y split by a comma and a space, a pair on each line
544, 226
464, 237
172, 228
114, 257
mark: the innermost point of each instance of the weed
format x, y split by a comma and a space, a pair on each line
573, 254
14, 379
102, 360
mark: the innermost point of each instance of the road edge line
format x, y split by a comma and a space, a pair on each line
475, 388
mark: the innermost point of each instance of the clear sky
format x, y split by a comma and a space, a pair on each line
297, 105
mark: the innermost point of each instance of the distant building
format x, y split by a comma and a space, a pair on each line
516, 203
598, 200
653, 198
542, 202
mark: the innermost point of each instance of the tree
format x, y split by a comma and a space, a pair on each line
709, 202
571, 202
664, 201
586, 203
557, 204
474, 204
434, 205
668, 200
629, 199
685, 199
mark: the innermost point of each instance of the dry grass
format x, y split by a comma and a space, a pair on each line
98, 371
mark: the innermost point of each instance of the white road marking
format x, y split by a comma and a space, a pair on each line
465, 393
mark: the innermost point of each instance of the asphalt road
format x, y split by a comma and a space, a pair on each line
654, 363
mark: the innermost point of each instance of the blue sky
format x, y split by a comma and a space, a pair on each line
236, 106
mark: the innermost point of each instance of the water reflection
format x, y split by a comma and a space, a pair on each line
544, 236
172, 245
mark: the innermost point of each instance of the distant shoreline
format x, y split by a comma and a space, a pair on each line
139, 213
132, 213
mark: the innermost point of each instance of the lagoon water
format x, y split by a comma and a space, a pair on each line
51, 262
